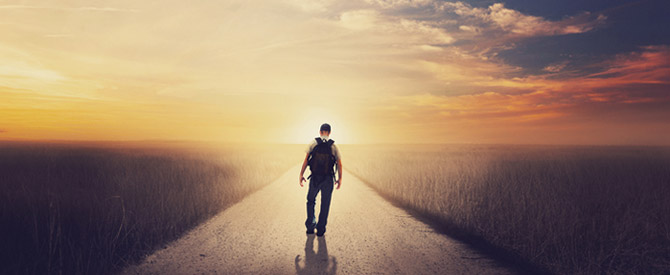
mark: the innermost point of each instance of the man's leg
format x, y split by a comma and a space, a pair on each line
311, 201
326, 187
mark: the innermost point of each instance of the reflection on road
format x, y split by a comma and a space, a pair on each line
316, 263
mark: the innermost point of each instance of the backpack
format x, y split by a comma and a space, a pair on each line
321, 160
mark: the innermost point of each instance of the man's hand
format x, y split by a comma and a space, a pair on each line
338, 182
302, 179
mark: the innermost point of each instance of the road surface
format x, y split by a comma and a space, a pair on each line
265, 234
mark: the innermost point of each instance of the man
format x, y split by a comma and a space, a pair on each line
321, 156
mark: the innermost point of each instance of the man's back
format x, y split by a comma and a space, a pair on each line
321, 154
321, 160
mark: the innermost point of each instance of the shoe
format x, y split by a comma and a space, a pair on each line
310, 230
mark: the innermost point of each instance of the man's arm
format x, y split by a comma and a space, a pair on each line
339, 173
302, 170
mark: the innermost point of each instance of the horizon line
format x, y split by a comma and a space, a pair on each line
186, 141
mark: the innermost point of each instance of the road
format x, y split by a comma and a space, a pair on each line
265, 234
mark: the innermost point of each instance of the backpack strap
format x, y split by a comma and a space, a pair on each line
330, 143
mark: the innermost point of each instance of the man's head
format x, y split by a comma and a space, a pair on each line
325, 129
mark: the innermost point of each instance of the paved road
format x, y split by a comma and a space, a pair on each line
264, 234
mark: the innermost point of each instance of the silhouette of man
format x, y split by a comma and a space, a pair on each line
321, 156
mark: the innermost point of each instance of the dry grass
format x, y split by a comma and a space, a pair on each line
93, 209
572, 210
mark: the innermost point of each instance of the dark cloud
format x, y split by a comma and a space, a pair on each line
627, 28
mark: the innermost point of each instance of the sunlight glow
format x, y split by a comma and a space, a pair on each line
307, 126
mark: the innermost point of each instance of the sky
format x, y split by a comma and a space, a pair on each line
379, 71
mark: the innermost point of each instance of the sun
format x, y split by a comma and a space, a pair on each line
306, 126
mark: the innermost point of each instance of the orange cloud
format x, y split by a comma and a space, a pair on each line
650, 66
544, 102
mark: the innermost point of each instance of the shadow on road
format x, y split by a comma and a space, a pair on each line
316, 263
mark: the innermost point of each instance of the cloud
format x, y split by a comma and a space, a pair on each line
650, 65
467, 28
496, 16
28, 73
640, 78
390, 4
490, 105
408, 30
360, 19
24, 70
431, 34
526, 25
647, 66
311, 5
556, 67
476, 32
20, 68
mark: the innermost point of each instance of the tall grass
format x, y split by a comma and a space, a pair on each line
93, 209
572, 210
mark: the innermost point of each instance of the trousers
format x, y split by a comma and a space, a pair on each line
323, 184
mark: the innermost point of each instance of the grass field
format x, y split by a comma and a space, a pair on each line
91, 209
569, 209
